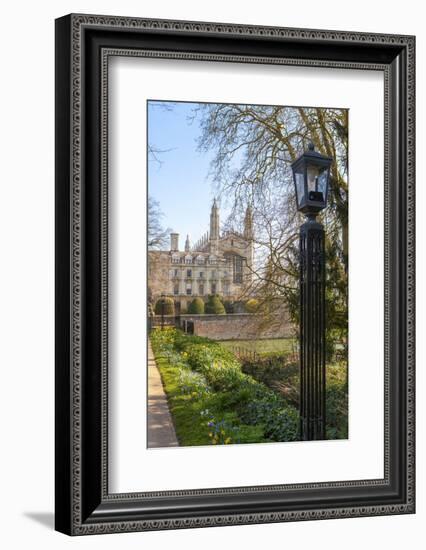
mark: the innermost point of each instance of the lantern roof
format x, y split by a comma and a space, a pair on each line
311, 157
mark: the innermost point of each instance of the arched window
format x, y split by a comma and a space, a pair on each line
238, 270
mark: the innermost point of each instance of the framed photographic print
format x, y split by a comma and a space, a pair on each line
234, 274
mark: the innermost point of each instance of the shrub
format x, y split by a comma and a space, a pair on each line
196, 307
280, 422
204, 351
337, 402
163, 340
169, 306
277, 372
192, 383
224, 378
214, 306
252, 305
283, 425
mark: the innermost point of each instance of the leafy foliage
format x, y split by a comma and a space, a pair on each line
227, 405
196, 307
337, 402
164, 306
252, 305
214, 305
282, 376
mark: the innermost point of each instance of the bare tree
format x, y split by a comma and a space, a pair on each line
253, 149
157, 235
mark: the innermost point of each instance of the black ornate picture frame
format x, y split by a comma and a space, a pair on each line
84, 43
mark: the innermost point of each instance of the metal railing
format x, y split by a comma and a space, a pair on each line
162, 321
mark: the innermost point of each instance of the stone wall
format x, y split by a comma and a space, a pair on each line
237, 326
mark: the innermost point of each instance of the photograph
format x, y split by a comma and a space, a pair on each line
247, 273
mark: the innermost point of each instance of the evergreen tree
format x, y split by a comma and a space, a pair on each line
214, 305
169, 306
196, 307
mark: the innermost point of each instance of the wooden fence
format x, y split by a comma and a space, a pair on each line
245, 354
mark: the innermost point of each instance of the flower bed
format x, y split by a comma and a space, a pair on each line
282, 376
212, 400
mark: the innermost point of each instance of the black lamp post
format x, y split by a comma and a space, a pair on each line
311, 174
162, 311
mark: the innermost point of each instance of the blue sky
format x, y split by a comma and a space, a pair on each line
180, 182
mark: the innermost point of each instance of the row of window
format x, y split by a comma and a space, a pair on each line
190, 260
201, 274
201, 289
236, 261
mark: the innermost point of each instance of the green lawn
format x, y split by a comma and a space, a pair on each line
275, 345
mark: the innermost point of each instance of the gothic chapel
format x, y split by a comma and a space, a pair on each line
218, 263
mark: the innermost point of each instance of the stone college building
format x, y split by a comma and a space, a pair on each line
219, 263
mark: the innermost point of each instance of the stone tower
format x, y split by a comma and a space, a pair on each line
249, 235
174, 242
214, 228
248, 224
187, 244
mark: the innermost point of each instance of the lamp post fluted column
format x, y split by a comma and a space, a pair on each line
312, 330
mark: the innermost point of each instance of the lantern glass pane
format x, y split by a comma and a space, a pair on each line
300, 187
322, 182
312, 174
